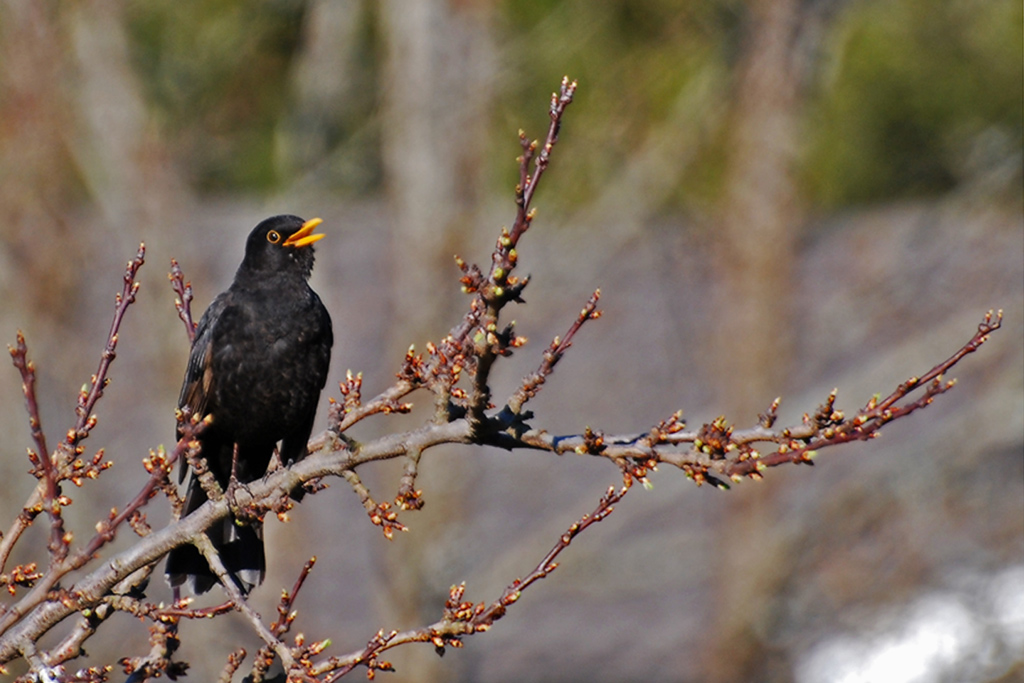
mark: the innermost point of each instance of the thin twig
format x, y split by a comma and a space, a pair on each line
209, 552
234, 661
465, 618
183, 298
531, 383
381, 513
87, 399
483, 619
527, 183
285, 616
40, 458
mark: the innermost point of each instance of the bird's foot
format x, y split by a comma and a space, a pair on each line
240, 499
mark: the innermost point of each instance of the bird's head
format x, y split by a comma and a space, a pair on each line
282, 244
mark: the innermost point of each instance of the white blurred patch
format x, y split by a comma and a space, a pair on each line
969, 636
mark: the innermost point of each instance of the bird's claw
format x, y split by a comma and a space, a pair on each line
240, 506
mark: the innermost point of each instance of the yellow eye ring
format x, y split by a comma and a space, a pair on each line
273, 237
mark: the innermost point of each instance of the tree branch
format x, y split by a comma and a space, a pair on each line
456, 374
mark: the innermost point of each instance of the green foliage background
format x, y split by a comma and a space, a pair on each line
906, 97
915, 92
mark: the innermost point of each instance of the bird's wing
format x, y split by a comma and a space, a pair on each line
318, 356
196, 387
324, 323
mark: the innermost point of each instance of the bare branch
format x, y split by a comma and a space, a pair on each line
532, 383
183, 298
87, 398
43, 465
234, 662
456, 372
285, 616
527, 184
463, 618
238, 600
381, 513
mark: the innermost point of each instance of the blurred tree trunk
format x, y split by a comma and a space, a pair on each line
74, 132
127, 169
37, 190
123, 159
761, 212
83, 179
757, 232
321, 141
437, 92
37, 180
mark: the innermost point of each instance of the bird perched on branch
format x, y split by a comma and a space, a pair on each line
258, 363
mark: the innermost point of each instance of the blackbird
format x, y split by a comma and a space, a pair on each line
257, 366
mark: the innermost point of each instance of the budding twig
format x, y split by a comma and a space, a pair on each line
285, 616
483, 619
463, 618
63, 463
209, 552
234, 662
716, 451
40, 458
87, 400
527, 184
532, 383
183, 300
381, 513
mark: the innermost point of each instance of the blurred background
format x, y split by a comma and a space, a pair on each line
777, 197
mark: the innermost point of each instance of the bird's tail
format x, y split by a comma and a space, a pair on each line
240, 547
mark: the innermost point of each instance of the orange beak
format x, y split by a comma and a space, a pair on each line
302, 236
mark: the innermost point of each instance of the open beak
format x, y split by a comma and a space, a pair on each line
303, 237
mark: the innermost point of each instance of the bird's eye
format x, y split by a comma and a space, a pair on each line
273, 237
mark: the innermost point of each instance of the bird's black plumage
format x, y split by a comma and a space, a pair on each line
258, 363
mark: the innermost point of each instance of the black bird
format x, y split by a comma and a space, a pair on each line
257, 366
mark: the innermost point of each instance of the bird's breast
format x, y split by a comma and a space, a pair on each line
269, 363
